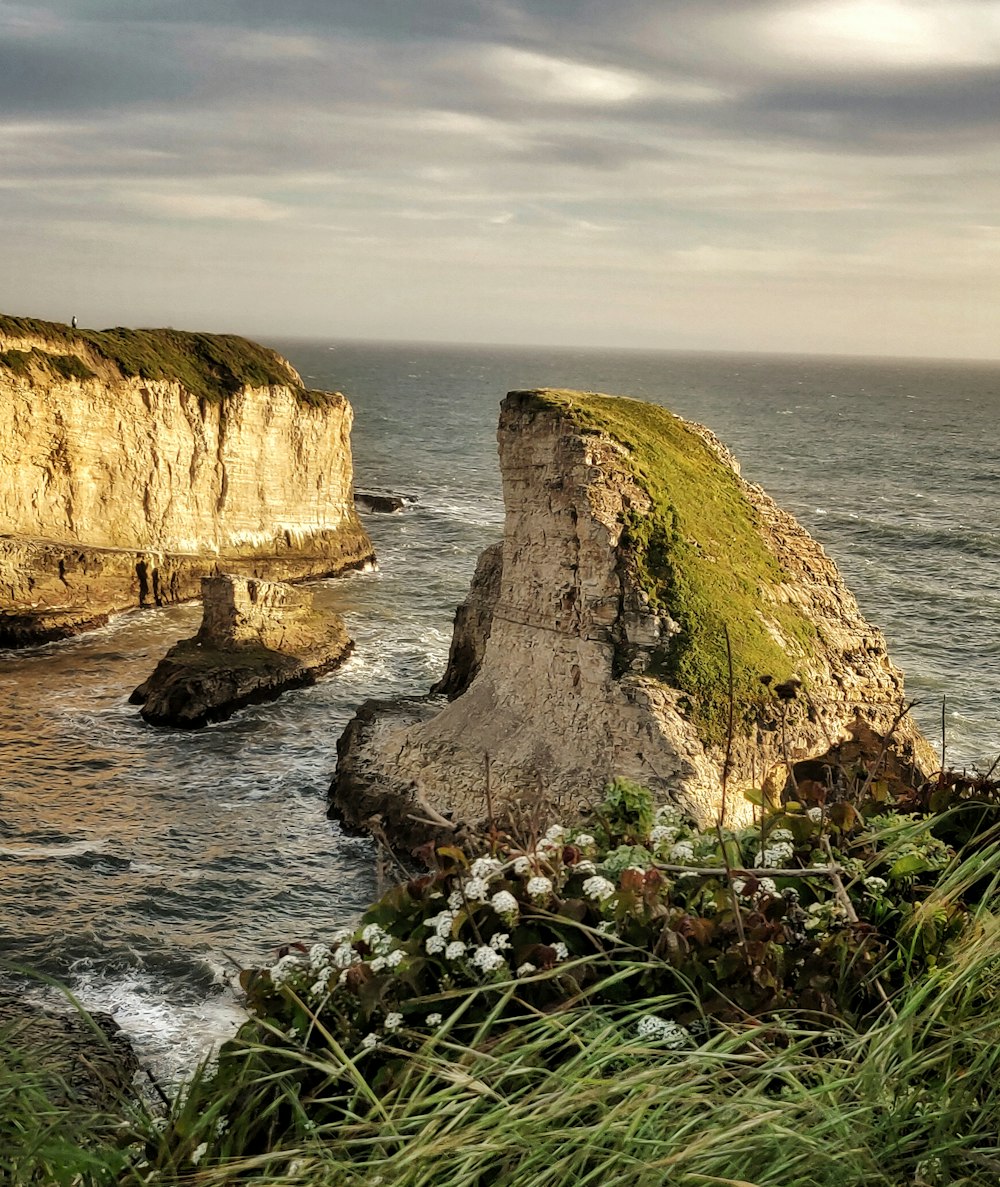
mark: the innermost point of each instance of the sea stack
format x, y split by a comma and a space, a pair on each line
636, 565
135, 462
257, 639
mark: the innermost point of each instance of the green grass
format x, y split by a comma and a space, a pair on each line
210, 366
700, 557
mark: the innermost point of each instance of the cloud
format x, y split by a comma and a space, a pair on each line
495, 148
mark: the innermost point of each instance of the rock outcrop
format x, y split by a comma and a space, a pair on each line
135, 462
473, 620
257, 639
635, 563
77, 1057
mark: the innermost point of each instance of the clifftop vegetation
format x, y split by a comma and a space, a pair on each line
210, 366
700, 557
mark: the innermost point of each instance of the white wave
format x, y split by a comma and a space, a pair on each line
59, 849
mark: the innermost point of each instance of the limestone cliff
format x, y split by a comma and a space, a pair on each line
133, 462
632, 550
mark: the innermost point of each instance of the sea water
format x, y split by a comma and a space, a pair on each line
141, 867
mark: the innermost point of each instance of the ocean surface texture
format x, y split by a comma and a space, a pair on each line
141, 866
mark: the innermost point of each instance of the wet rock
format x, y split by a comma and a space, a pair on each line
257, 639
384, 504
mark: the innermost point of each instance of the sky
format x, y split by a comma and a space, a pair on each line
809, 176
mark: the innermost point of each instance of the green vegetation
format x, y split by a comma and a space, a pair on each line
62, 366
210, 366
700, 557
682, 1021
808, 1002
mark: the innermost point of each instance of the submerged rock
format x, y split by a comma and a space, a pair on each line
257, 639
636, 562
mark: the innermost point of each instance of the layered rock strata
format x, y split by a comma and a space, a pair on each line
637, 566
134, 462
257, 639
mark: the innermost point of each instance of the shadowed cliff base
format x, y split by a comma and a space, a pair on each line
646, 593
142, 460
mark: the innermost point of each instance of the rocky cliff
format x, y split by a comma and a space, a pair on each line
636, 564
133, 462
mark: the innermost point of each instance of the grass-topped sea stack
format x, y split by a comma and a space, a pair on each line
657, 616
137, 461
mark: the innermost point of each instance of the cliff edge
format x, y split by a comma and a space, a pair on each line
635, 562
135, 462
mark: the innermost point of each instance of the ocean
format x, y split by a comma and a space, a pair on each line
141, 867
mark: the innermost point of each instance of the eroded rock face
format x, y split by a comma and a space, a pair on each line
473, 622
587, 673
257, 639
119, 491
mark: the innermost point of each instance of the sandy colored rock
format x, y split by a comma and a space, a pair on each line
597, 663
473, 621
257, 640
120, 491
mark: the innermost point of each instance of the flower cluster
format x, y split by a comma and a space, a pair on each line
544, 920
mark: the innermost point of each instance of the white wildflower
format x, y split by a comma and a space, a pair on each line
739, 885
369, 1041
815, 814
681, 852
442, 923
395, 958
378, 964
776, 855
485, 867
456, 901
598, 888
393, 1021
522, 866
555, 832
319, 988
486, 959
780, 834
376, 939
526, 969
607, 927
284, 969
586, 868
500, 942
663, 834
476, 890
767, 886
344, 956
561, 951
319, 957
198, 1153
434, 1020
662, 1031
876, 885
584, 841
539, 888
454, 950
669, 815
340, 936
505, 904
435, 944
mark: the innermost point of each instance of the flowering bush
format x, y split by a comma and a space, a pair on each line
824, 911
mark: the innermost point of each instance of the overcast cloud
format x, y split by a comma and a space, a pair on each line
800, 175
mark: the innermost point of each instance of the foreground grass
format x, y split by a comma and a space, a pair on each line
577, 1098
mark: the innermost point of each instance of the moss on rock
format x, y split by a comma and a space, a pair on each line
701, 557
210, 366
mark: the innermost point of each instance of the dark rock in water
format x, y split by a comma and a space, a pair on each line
385, 504
473, 619
83, 1058
257, 639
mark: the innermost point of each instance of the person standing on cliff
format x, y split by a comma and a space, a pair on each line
73, 322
